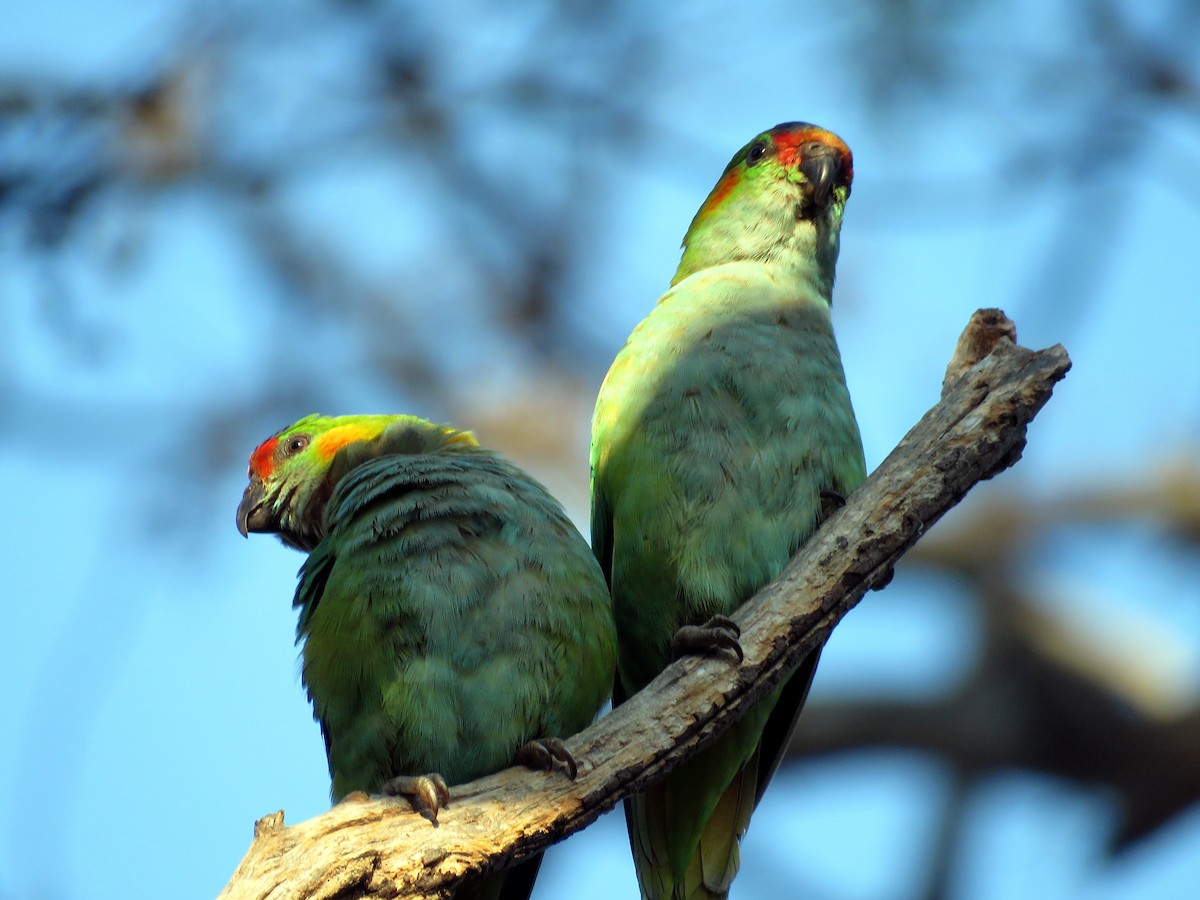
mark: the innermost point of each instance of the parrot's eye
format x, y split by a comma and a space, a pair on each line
755, 154
295, 444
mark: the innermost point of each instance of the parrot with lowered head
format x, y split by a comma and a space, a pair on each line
453, 620
722, 435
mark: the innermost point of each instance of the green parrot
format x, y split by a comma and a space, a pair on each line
453, 620
722, 435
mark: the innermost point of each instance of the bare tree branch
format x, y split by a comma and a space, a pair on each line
380, 848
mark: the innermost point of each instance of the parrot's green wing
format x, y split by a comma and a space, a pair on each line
459, 616
449, 613
720, 425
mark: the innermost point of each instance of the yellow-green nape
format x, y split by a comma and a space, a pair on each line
324, 436
411, 434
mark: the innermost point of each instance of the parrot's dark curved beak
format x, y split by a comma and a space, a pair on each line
822, 166
252, 512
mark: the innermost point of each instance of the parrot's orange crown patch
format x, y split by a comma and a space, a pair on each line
335, 439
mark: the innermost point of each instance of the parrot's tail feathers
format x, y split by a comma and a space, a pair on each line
646, 820
684, 831
782, 722
704, 867
717, 858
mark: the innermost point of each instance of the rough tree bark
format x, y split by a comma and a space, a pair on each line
379, 847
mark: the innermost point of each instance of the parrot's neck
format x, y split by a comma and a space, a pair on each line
745, 228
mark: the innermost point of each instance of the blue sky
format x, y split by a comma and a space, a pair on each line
153, 706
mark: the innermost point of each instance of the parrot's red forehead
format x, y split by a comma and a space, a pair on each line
790, 144
262, 460
323, 437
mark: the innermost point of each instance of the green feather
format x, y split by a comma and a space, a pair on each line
718, 427
449, 612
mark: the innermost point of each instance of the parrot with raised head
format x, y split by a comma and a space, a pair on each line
452, 619
722, 435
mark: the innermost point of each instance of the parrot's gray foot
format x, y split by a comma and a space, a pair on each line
716, 637
426, 793
831, 502
542, 753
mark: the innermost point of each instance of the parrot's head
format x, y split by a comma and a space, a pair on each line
293, 472
782, 194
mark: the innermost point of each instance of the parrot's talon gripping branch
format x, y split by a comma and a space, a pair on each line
831, 502
835, 499
716, 637
428, 794
543, 753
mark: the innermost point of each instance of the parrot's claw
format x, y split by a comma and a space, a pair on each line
542, 753
831, 502
718, 636
427, 793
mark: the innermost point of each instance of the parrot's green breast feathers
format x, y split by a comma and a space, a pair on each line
721, 426
448, 609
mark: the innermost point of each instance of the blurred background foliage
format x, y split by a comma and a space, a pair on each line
218, 217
